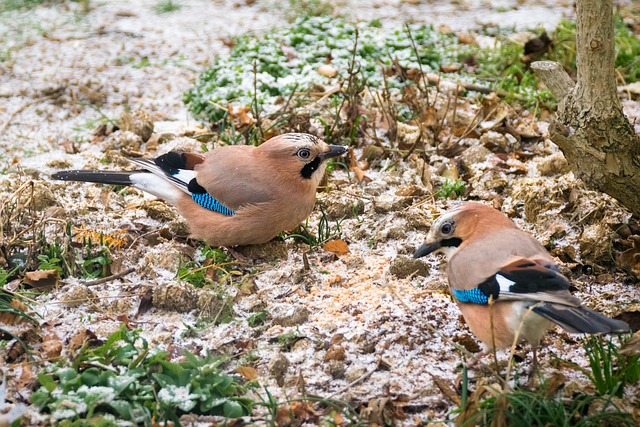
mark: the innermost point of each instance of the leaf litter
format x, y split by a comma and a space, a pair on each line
358, 321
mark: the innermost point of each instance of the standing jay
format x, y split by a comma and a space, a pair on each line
497, 270
232, 195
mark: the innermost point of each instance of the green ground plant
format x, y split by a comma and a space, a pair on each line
610, 372
210, 267
326, 231
167, 6
125, 381
452, 188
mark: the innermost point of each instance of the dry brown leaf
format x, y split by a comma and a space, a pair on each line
630, 259
447, 389
295, 411
247, 372
123, 318
26, 378
241, 116
631, 347
327, 70
42, 280
12, 319
554, 383
338, 247
78, 340
335, 352
384, 411
450, 68
52, 347
465, 38
357, 168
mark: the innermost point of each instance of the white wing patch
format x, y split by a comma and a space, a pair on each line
505, 284
185, 175
157, 186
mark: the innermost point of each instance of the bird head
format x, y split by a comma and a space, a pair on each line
301, 155
459, 225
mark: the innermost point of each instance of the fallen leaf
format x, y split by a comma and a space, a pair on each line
123, 318
450, 68
11, 319
247, 372
335, 352
51, 344
42, 280
357, 167
465, 38
630, 259
327, 71
288, 414
78, 340
631, 347
146, 302
554, 383
241, 116
447, 389
338, 247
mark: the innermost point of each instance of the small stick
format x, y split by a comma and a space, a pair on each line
109, 278
354, 382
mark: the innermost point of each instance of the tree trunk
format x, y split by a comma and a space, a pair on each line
596, 138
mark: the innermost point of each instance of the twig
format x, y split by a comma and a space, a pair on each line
355, 382
255, 99
424, 76
109, 278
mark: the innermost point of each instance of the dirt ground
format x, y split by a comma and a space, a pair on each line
360, 316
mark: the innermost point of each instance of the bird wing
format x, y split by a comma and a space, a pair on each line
180, 178
177, 169
506, 263
528, 279
238, 176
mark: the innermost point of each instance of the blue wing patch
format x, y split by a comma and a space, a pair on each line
209, 202
474, 296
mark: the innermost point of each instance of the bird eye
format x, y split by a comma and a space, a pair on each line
304, 153
446, 228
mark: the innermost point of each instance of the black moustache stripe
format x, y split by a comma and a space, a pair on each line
310, 168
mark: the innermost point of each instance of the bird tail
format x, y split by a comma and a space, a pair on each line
580, 320
97, 176
158, 185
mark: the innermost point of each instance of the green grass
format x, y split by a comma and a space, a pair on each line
8, 5
522, 408
126, 381
91, 260
451, 189
610, 372
167, 6
326, 231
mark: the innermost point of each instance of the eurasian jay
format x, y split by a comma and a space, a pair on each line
233, 195
501, 276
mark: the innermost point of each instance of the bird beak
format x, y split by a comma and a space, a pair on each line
334, 151
426, 249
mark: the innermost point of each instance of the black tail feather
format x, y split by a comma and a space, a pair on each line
100, 177
580, 320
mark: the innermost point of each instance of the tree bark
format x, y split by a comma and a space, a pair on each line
590, 128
